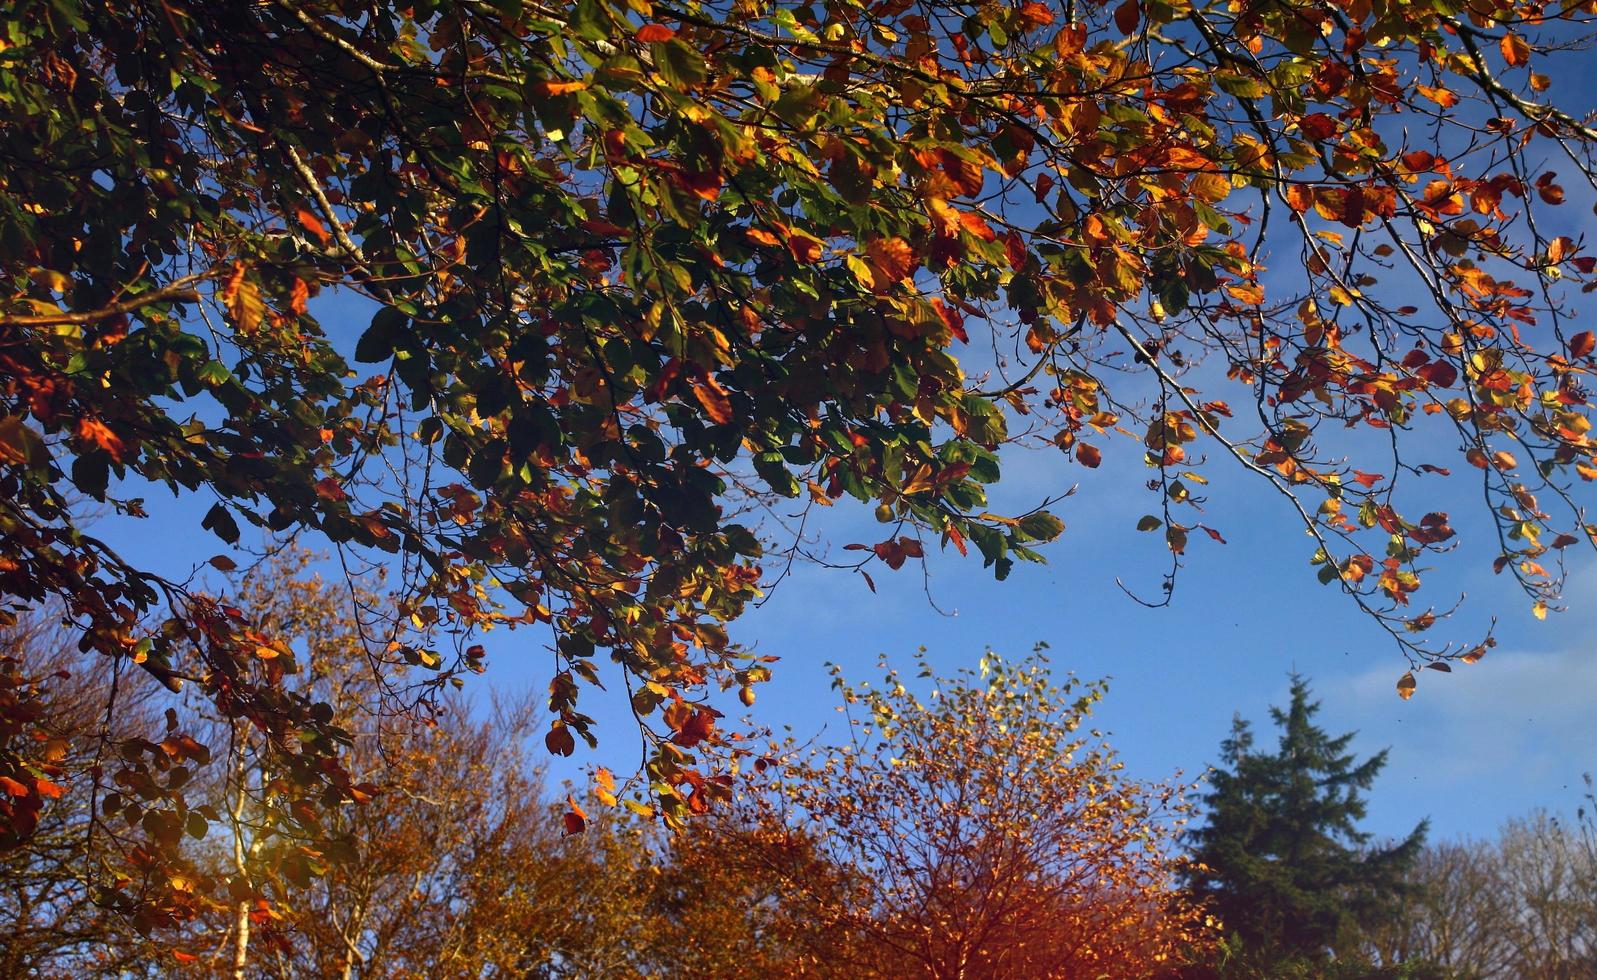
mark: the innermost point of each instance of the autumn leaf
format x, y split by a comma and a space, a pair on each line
242, 298
548, 88
574, 819
311, 223
604, 784
1317, 126
654, 33
1406, 685
98, 434
890, 259
1515, 50
1088, 456
1582, 344
1127, 16
714, 399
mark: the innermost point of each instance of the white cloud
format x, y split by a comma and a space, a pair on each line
1514, 721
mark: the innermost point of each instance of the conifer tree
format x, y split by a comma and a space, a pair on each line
1281, 860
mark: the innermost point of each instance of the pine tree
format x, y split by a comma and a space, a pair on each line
1281, 861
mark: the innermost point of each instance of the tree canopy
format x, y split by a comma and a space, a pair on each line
634, 272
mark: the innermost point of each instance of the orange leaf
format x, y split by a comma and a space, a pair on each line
545, 88
1036, 14
1088, 456
1515, 51
13, 787
313, 224
98, 433
1442, 96
713, 397
653, 33
47, 788
1582, 344
805, 248
1406, 685
892, 257
978, 226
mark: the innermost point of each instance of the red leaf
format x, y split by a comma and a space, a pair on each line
1438, 374
705, 184
574, 819
1088, 456
1127, 15
13, 787
654, 33
1582, 344
1318, 126
328, 488
699, 726
1368, 479
559, 740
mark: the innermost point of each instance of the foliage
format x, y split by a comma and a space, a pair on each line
638, 269
978, 833
1280, 859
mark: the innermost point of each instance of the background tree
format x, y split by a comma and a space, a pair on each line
987, 835
1522, 905
51, 924
635, 270
1280, 859
1453, 915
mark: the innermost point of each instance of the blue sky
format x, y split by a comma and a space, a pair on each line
1472, 748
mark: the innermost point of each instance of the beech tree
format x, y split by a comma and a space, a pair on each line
638, 272
980, 831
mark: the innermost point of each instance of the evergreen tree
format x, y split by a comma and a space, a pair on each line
1281, 860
